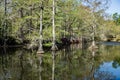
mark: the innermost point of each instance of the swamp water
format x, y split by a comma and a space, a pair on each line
70, 63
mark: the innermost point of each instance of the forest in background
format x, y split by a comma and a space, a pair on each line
20, 20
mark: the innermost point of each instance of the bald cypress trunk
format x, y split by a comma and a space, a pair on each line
40, 49
54, 47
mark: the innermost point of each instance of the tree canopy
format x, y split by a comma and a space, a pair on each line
21, 19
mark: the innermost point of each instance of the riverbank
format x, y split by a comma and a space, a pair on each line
29, 44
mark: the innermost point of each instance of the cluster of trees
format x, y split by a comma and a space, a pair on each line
21, 19
116, 18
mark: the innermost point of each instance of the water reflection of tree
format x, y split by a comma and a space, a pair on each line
69, 68
17, 66
99, 75
90, 70
53, 65
5, 65
110, 53
72, 63
21, 65
116, 62
40, 56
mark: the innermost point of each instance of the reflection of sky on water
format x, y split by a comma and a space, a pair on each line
107, 67
110, 43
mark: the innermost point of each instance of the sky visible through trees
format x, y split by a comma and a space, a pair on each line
114, 7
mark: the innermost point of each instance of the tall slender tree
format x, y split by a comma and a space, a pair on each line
95, 6
40, 50
5, 22
54, 47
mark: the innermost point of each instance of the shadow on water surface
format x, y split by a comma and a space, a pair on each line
70, 63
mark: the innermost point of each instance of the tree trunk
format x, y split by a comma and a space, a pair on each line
54, 47
5, 23
21, 28
30, 23
93, 37
40, 49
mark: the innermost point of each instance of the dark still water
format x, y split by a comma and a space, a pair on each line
70, 63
